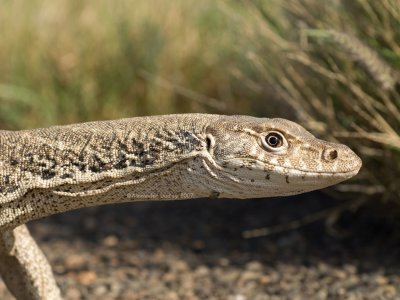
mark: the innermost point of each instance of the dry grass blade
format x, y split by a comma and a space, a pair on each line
361, 189
190, 94
328, 214
377, 68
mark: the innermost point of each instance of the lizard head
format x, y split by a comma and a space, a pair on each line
274, 157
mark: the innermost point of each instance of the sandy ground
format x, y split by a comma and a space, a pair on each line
195, 250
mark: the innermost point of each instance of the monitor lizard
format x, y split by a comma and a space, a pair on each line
52, 170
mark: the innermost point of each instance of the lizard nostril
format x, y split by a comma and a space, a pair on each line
330, 154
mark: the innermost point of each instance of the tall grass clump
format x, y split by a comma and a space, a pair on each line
336, 63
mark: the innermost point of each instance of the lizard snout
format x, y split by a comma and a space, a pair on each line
343, 159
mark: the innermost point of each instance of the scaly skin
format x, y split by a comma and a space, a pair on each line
52, 170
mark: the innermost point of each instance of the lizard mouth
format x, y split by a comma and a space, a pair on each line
345, 174
352, 169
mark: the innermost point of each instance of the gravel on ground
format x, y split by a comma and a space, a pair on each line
195, 250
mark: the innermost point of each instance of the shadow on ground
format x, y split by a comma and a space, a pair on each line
195, 250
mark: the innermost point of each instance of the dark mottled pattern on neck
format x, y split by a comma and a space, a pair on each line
85, 152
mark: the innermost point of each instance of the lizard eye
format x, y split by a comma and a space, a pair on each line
273, 141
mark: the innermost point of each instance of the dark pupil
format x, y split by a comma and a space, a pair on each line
273, 140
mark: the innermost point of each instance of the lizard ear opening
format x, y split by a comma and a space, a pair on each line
210, 143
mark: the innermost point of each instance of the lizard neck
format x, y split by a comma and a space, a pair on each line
190, 178
63, 168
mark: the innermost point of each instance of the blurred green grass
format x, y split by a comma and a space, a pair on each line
331, 65
68, 61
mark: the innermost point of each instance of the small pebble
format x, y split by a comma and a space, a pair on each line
86, 277
110, 241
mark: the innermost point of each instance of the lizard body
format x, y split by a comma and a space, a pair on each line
52, 170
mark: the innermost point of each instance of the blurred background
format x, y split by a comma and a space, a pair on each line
333, 66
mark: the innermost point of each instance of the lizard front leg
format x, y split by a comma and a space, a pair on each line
24, 268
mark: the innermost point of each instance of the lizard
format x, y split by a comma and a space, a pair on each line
51, 170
